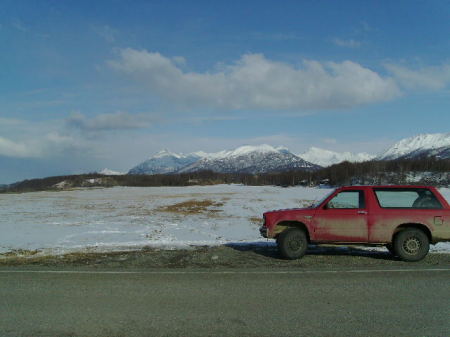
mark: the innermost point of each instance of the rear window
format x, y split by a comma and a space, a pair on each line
415, 198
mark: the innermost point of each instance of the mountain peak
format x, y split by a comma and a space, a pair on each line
246, 150
164, 162
166, 153
251, 159
324, 157
422, 144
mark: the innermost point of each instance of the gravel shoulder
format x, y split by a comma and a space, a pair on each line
220, 257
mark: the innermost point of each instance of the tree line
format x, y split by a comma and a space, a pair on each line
432, 171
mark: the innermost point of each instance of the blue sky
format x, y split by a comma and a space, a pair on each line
86, 85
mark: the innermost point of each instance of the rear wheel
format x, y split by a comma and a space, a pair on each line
292, 243
411, 244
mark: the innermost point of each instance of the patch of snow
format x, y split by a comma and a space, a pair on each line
61, 184
200, 154
242, 151
108, 172
133, 216
167, 153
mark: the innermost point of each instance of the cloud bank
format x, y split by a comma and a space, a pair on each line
51, 144
11, 148
255, 82
431, 77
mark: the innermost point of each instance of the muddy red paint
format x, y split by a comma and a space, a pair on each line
366, 215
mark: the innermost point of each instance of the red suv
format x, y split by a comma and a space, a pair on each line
405, 219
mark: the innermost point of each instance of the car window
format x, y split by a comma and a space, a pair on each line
416, 198
346, 200
317, 203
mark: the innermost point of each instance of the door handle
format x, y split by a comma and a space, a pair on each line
362, 212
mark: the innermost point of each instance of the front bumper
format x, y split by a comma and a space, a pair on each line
264, 231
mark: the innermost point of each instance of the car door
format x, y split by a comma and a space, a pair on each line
344, 218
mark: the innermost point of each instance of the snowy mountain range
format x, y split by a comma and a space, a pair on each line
251, 159
326, 157
424, 145
165, 162
244, 159
266, 158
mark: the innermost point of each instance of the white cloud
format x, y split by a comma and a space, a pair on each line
432, 77
106, 122
38, 139
51, 144
60, 138
56, 143
11, 148
255, 82
347, 43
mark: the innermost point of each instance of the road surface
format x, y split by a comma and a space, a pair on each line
408, 300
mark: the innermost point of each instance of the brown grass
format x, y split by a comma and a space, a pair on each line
255, 220
192, 207
305, 202
19, 253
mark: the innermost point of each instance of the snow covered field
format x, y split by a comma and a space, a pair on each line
133, 217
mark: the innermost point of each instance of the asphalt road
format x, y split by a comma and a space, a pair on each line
406, 301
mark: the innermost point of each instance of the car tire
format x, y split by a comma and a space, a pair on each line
292, 243
411, 244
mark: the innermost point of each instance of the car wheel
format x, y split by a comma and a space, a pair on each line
292, 243
411, 244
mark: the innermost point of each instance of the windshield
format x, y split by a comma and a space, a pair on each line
317, 203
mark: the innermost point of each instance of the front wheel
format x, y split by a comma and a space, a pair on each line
292, 243
411, 244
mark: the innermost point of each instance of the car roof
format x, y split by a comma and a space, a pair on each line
384, 186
